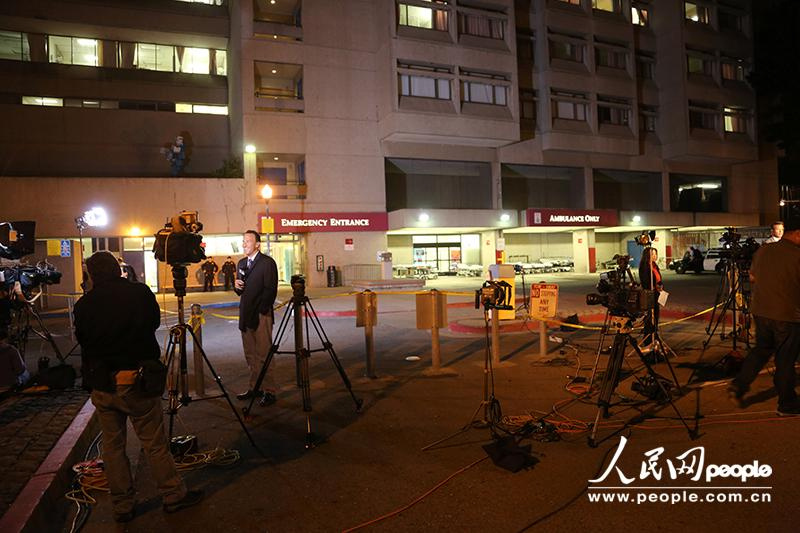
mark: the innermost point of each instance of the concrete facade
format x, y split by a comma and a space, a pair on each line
329, 94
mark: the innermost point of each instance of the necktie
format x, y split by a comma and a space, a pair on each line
249, 264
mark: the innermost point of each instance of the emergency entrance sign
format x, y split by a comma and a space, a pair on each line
544, 300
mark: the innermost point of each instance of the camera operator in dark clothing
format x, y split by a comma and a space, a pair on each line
650, 279
115, 323
775, 274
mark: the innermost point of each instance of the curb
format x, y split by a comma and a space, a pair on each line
41, 502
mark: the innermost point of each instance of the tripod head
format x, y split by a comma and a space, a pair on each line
179, 274
298, 283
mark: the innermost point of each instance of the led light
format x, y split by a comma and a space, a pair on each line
274, 71
275, 158
636, 219
782, 203
95, 217
250, 149
135, 231
266, 192
423, 217
505, 217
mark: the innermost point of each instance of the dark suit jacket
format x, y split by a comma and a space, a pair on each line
260, 289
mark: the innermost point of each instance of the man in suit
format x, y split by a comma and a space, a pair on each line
257, 285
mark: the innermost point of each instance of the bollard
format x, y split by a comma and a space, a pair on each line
432, 315
196, 322
367, 317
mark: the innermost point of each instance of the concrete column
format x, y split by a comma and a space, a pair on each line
497, 186
488, 242
665, 199
583, 251
588, 188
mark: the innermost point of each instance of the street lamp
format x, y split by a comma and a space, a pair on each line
267, 226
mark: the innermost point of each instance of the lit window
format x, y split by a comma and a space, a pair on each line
612, 6
640, 16
201, 108
195, 60
736, 120
14, 45
73, 51
422, 17
154, 57
696, 13
733, 71
43, 101
221, 62
572, 2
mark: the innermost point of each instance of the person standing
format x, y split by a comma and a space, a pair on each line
650, 279
257, 285
775, 275
210, 269
128, 271
113, 344
229, 272
776, 232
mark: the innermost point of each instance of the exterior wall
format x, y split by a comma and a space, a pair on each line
70, 141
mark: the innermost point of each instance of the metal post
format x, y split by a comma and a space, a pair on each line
196, 322
542, 338
436, 354
369, 336
495, 337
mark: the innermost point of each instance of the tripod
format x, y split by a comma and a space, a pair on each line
524, 305
299, 306
732, 290
611, 378
21, 328
178, 378
490, 404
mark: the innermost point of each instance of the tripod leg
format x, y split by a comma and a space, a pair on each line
45, 334
224, 392
272, 351
326, 343
660, 385
609, 383
172, 379
603, 333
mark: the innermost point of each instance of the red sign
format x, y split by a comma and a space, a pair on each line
307, 222
571, 217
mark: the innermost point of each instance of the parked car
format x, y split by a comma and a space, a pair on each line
709, 261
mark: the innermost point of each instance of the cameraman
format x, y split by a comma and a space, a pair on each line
115, 323
775, 274
650, 279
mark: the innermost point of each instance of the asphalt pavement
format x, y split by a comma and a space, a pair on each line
370, 464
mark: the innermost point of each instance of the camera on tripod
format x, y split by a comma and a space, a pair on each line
621, 296
736, 250
17, 240
180, 242
298, 284
494, 295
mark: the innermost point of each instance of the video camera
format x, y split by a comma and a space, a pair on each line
180, 242
494, 295
734, 249
17, 239
619, 294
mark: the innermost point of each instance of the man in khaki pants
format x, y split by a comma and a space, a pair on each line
257, 285
115, 323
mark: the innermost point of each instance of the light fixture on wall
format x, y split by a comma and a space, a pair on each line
424, 217
250, 149
636, 219
505, 217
